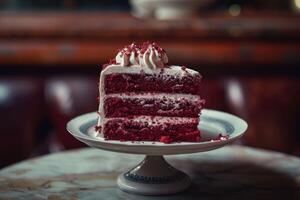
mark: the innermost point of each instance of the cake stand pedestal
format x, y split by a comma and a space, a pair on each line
154, 176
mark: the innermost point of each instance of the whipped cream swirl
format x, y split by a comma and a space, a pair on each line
147, 55
128, 55
153, 57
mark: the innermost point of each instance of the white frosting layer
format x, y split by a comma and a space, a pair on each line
157, 120
136, 69
151, 95
166, 97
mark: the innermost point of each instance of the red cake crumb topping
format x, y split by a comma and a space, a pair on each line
183, 68
220, 137
97, 128
165, 139
127, 50
111, 62
153, 45
147, 47
138, 52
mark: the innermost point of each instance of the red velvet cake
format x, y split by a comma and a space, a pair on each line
142, 98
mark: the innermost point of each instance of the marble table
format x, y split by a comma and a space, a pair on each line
232, 172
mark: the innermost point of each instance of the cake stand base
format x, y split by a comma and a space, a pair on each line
154, 176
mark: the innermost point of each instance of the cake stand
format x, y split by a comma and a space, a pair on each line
154, 176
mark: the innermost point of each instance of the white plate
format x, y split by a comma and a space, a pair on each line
212, 123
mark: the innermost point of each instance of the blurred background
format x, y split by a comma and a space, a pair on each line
51, 52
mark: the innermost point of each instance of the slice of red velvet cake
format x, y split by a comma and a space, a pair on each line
142, 98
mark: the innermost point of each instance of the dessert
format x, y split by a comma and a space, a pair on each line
143, 98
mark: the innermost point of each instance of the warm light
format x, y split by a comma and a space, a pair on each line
63, 96
4, 94
235, 93
234, 10
297, 4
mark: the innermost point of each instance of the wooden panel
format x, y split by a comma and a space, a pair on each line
232, 54
112, 25
93, 38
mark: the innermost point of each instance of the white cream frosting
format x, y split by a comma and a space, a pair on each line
149, 56
136, 69
128, 56
156, 120
168, 98
149, 95
153, 57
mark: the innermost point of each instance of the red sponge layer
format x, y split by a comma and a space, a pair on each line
129, 130
117, 83
123, 107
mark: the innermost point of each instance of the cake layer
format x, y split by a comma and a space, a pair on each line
163, 129
180, 105
129, 82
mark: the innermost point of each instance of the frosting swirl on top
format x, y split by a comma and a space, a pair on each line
153, 56
128, 55
147, 55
